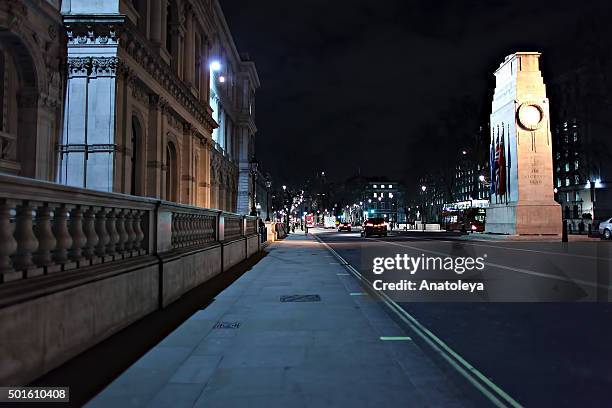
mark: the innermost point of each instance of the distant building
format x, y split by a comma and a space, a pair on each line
582, 164
382, 199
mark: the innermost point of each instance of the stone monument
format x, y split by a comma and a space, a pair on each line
522, 200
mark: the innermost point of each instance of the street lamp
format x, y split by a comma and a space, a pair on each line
215, 66
268, 187
253, 164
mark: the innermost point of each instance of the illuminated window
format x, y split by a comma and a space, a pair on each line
375, 195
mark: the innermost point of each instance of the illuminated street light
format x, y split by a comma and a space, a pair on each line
221, 79
423, 188
481, 178
215, 66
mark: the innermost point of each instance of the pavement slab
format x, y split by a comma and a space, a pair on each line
326, 353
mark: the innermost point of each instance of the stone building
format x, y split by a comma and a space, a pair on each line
32, 51
156, 99
580, 128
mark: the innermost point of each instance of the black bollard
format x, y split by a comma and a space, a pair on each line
564, 232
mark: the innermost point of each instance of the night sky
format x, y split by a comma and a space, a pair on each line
347, 86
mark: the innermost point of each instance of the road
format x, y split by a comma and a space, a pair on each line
542, 329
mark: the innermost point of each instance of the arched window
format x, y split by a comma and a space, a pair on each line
18, 109
136, 158
171, 173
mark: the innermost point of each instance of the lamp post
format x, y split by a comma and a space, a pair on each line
253, 165
423, 215
268, 186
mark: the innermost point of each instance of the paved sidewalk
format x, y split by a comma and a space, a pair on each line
327, 353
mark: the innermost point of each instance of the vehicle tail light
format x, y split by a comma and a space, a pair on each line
474, 228
348, 225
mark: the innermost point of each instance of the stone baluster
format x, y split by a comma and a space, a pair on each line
199, 229
180, 229
27, 244
102, 232
138, 230
113, 235
89, 228
62, 235
190, 230
79, 239
122, 235
8, 245
46, 238
129, 229
174, 232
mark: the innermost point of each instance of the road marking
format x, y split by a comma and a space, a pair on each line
488, 388
343, 274
509, 248
395, 338
358, 294
509, 268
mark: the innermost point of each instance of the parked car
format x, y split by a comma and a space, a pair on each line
344, 226
605, 228
374, 226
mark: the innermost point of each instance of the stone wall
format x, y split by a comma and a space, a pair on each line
78, 265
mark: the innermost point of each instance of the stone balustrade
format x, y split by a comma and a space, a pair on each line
251, 226
233, 228
78, 265
46, 228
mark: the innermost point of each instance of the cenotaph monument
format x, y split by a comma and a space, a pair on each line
522, 200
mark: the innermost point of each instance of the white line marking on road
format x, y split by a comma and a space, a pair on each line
508, 248
493, 393
509, 268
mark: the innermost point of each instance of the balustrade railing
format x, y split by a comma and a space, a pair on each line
48, 228
193, 227
233, 227
251, 226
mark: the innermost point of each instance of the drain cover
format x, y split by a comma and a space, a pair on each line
300, 298
227, 325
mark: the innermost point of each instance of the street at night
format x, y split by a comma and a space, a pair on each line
231, 203
543, 354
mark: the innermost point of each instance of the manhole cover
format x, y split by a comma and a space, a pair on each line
300, 298
227, 325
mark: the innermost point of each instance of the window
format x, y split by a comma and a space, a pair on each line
375, 195
390, 186
576, 179
576, 162
567, 181
567, 167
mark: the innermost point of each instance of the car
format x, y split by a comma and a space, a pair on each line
605, 228
374, 226
344, 226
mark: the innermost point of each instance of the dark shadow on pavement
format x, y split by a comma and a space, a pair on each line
91, 371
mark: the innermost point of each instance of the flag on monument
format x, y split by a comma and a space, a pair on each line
492, 169
501, 166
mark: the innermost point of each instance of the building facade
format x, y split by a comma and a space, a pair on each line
380, 199
140, 97
32, 81
581, 160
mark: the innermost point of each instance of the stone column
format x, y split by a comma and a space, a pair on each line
189, 48
89, 139
154, 147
